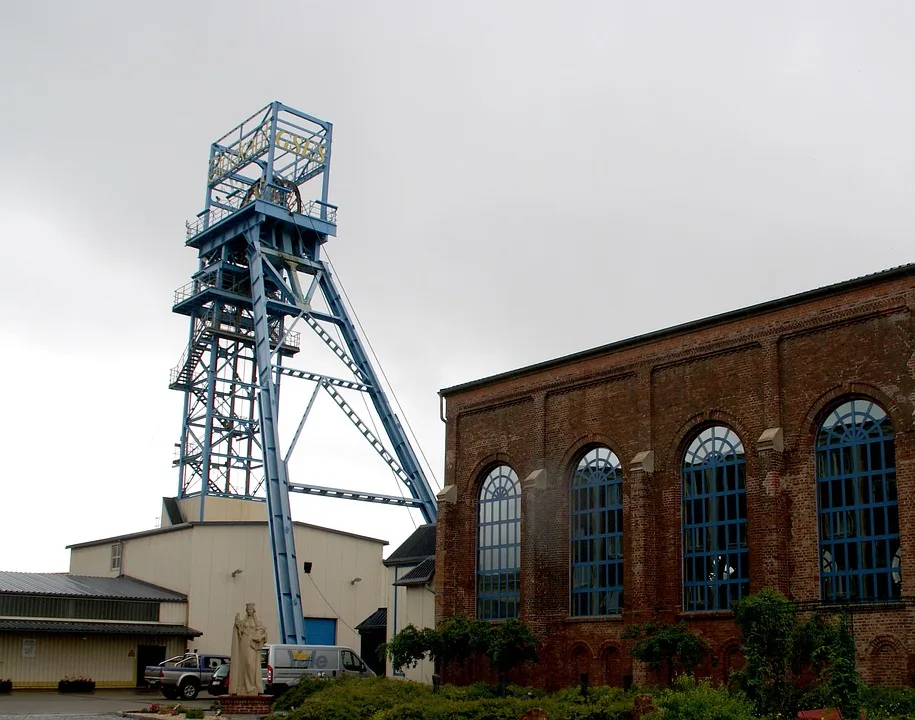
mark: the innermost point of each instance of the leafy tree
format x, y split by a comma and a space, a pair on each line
670, 646
778, 648
510, 644
843, 682
456, 640
768, 630
408, 647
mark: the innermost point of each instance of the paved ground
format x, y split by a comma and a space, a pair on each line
100, 704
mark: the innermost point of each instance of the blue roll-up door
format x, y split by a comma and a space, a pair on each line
321, 631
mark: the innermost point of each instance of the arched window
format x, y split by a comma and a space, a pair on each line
856, 505
499, 545
597, 534
716, 569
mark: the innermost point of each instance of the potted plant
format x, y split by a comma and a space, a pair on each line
76, 684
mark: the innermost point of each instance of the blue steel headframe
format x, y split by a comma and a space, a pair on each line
499, 545
857, 505
259, 276
596, 503
716, 568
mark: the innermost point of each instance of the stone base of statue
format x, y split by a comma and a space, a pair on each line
245, 704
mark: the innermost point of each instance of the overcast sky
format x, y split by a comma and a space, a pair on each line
516, 181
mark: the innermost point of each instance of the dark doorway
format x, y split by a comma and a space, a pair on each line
371, 639
148, 655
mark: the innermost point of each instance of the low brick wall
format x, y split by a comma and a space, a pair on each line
245, 704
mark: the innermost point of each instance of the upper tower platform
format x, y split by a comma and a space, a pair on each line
276, 164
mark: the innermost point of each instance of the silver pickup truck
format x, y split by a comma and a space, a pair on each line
183, 676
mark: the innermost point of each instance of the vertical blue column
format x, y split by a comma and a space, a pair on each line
279, 515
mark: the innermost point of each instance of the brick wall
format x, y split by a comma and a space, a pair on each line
784, 366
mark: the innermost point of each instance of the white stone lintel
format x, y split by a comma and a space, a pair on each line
643, 462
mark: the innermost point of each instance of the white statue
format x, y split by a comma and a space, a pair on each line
248, 637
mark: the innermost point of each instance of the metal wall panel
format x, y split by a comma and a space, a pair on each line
109, 661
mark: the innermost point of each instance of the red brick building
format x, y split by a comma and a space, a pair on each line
664, 476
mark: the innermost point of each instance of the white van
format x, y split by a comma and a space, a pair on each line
283, 665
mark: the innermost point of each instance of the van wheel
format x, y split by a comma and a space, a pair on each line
189, 690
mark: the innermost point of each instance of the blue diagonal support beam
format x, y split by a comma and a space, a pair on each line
415, 478
332, 344
373, 441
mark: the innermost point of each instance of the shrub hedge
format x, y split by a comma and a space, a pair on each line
384, 699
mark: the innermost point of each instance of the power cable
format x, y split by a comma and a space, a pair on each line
332, 608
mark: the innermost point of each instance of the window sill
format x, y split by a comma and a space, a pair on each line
856, 606
706, 615
594, 618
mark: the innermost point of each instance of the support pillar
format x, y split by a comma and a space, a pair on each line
767, 516
640, 576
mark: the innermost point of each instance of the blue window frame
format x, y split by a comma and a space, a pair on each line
857, 506
716, 568
596, 506
499, 545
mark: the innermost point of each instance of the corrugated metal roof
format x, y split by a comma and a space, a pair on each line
88, 628
378, 619
419, 575
416, 548
691, 326
64, 584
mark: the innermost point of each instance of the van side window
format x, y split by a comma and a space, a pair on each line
350, 661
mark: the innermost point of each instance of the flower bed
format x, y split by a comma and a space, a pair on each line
76, 685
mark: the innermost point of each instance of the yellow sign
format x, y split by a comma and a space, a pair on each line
301, 655
309, 149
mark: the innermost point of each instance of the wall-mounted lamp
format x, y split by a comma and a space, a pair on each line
237, 572
355, 580
306, 567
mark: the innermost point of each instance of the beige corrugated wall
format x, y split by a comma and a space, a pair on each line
106, 660
415, 606
199, 561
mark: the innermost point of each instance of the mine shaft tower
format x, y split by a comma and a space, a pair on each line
260, 280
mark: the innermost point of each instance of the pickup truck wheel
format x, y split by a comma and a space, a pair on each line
170, 693
188, 690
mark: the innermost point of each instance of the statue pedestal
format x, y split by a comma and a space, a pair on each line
245, 704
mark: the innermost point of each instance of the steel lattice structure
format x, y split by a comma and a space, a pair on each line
259, 278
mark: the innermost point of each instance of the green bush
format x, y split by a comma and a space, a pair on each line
778, 647
689, 700
295, 696
456, 640
886, 703
670, 646
768, 631
383, 699
348, 698
193, 713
